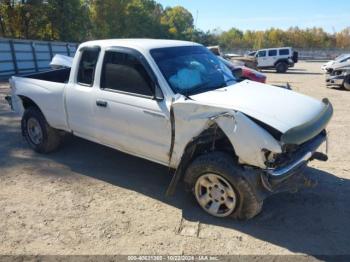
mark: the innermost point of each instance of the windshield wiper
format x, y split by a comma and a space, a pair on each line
202, 87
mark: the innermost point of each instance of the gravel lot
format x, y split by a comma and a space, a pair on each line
89, 199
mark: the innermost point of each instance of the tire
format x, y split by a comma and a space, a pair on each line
229, 174
39, 135
347, 82
281, 67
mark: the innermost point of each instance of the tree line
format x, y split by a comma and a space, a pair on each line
81, 20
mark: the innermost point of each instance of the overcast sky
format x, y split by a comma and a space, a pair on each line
256, 15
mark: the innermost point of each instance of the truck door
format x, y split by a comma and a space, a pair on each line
271, 57
80, 100
262, 58
129, 116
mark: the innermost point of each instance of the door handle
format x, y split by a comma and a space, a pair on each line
101, 103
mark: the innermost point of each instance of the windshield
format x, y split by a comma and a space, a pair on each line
191, 70
345, 59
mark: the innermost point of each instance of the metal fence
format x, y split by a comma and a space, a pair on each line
305, 54
25, 56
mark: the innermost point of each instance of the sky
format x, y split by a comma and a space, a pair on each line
259, 15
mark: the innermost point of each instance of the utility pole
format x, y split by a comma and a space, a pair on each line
195, 23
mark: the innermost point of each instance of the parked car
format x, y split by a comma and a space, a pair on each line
237, 60
175, 103
243, 72
339, 59
246, 61
337, 65
250, 53
276, 58
339, 76
231, 55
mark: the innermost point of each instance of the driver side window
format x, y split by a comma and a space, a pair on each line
124, 72
262, 53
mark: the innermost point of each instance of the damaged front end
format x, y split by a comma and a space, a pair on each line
287, 172
300, 145
271, 161
199, 129
336, 77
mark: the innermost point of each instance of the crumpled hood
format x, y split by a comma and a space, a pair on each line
277, 107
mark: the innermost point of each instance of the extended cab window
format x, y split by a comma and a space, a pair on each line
284, 51
87, 66
273, 52
124, 72
262, 53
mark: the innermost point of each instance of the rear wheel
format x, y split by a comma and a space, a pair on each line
347, 82
281, 67
220, 188
39, 135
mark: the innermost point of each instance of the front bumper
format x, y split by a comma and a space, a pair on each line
273, 178
335, 80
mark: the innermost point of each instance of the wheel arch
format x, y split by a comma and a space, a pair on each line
210, 139
213, 138
284, 60
28, 102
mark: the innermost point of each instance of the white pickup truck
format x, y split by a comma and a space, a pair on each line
174, 103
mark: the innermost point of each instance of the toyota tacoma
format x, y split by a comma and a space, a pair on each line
175, 103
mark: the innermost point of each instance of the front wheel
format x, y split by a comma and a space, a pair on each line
220, 188
39, 135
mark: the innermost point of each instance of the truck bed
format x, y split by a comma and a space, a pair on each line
57, 75
46, 90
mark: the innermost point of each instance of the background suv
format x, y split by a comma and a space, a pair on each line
276, 58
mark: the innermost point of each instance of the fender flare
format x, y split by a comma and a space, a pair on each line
284, 60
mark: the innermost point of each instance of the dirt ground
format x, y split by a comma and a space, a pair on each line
89, 199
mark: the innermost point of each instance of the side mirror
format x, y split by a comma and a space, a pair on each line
158, 94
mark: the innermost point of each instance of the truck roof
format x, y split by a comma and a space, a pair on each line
283, 47
138, 43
